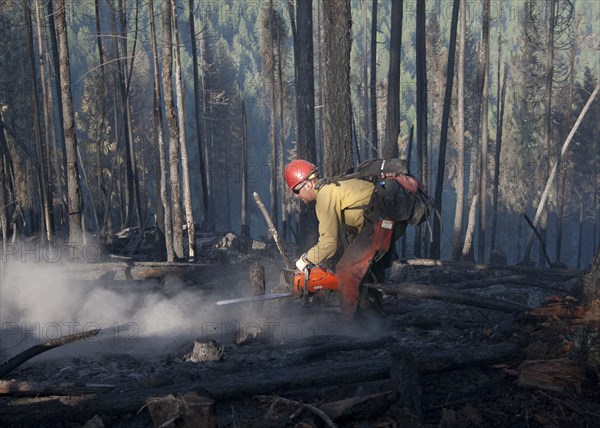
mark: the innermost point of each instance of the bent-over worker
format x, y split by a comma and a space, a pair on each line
342, 204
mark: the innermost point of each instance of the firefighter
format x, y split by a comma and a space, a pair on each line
341, 204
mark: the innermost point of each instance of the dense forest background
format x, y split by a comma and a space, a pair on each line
139, 114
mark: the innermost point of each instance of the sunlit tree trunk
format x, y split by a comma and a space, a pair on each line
171, 116
185, 170
470, 232
460, 162
163, 197
73, 186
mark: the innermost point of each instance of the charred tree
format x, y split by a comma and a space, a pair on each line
373, 80
100, 188
198, 117
498, 150
42, 175
337, 112
62, 178
267, 52
421, 64
132, 206
439, 184
162, 200
460, 170
167, 81
73, 185
185, 170
484, 58
244, 220
389, 148
306, 147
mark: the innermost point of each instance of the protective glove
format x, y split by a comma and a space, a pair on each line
302, 263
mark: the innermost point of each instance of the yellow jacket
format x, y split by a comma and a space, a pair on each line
334, 204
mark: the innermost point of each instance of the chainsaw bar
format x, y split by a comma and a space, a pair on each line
255, 298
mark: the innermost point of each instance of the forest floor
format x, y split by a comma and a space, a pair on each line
281, 364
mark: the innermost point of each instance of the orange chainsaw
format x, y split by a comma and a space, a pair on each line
304, 285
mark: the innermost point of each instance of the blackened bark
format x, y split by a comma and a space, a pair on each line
337, 144
167, 81
70, 136
392, 118
199, 128
423, 169
483, 70
373, 79
439, 184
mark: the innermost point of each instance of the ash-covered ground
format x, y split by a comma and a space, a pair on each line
278, 360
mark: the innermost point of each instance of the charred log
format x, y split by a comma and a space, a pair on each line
437, 293
29, 353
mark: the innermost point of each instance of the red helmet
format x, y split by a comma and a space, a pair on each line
297, 171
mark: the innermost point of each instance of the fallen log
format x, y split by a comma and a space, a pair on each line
344, 372
134, 270
487, 282
36, 389
243, 384
486, 266
471, 356
29, 353
437, 293
319, 351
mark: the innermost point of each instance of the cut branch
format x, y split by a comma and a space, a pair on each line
29, 353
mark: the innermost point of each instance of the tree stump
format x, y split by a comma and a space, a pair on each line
399, 271
205, 350
257, 283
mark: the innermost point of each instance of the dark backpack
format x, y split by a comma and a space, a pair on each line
402, 198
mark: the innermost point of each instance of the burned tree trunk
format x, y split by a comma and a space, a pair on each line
171, 116
70, 136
